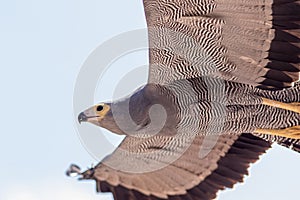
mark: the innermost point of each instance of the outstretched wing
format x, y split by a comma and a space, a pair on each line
252, 42
141, 169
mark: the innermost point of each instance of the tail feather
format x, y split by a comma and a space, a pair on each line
293, 144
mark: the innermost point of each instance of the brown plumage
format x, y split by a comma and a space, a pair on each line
194, 129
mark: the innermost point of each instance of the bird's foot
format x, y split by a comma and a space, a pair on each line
295, 106
291, 132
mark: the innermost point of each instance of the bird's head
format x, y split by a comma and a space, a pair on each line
102, 115
129, 115
95, 114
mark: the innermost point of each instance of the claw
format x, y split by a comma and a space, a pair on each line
73, 171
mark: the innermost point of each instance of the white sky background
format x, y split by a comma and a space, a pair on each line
42, 47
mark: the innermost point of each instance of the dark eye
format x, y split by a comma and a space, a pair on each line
99, 108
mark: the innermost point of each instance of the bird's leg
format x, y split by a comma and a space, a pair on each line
291, 132
295, 107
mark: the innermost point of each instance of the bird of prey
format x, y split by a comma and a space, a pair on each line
223, 86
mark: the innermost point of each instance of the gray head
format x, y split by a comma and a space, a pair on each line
149, 110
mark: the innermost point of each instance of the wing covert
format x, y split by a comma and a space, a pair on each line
187, 177
250, 42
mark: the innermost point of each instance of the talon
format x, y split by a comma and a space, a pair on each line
295, 106
291, 132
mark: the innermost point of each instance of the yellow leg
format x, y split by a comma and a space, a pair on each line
291, 132
295, 107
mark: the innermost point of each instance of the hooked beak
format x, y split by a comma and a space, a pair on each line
88, 116
82, 117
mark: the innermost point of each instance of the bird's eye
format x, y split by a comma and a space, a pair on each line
99, 108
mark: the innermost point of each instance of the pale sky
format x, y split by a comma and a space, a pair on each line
43, 45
